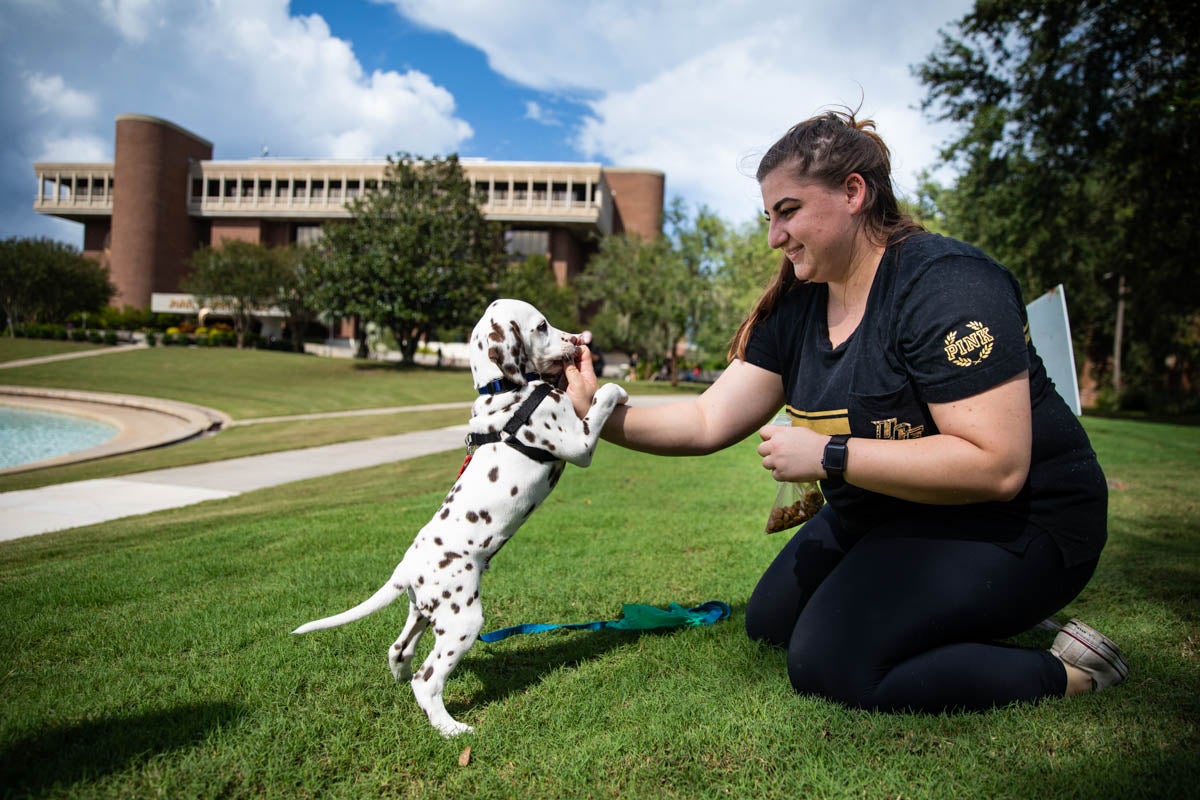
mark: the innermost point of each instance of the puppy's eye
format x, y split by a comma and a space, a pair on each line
543, 326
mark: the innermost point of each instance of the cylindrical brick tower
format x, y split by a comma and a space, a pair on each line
152, 234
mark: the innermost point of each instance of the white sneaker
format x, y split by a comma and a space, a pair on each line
1086, 649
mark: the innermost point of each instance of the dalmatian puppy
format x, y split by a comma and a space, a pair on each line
523, 430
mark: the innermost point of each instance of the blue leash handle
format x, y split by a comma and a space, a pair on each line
649, 618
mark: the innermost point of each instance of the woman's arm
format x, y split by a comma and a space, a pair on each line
982, 452
741, 400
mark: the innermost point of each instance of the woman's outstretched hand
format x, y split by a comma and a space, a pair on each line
581, 381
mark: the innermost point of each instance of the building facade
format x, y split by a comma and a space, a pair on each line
163, 196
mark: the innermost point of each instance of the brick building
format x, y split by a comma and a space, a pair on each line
163, 196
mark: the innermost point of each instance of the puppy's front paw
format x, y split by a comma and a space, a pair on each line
613, 393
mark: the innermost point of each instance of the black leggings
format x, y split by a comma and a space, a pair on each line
903, 621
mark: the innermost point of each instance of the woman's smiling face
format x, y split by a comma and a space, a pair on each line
814, 226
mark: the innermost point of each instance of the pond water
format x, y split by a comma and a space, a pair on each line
27, 436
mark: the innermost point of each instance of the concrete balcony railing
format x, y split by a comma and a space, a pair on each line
562, 193
575, 194
72, 190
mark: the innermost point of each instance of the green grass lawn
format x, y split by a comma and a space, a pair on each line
151, 656
249, 383
12, 349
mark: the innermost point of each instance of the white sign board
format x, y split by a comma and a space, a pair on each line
177, 303
1050, 331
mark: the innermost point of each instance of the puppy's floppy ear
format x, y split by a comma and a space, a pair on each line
505, 348
518, 350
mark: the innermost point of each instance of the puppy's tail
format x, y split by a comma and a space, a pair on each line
383, 598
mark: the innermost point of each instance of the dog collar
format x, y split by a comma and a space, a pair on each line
505, 385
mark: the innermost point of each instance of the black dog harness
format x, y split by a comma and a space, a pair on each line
518, 421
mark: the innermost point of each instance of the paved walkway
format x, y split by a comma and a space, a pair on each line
69, 505
99, 351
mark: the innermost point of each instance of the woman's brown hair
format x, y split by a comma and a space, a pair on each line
829, 148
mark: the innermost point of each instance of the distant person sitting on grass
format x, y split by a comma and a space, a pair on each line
964, 501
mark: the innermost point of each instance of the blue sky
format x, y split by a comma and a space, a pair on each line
693, 88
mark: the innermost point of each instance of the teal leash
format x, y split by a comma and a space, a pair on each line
634, 617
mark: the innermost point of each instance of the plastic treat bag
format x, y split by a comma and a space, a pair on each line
794, 502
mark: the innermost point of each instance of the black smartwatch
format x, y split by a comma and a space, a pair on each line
834, 460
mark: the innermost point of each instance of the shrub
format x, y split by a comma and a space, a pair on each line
79, 335
151, 338
128, 318
95, 337
110, 337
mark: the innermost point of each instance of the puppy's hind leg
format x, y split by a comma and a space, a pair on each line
448, 649
400, 654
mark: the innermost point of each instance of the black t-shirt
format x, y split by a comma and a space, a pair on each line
943, 322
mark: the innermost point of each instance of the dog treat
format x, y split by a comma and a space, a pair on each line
805, 501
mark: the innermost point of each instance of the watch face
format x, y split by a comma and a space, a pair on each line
834, 460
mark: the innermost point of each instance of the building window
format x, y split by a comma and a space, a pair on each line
308, 234
521, 244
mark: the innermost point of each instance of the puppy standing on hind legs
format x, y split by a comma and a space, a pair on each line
523, 431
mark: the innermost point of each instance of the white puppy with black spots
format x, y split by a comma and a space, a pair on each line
523, 429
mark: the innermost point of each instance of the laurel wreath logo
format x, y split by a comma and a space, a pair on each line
960, 359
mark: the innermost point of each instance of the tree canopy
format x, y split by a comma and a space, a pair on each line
41, 279
417, 255
1078, 144
240, 277
532, 280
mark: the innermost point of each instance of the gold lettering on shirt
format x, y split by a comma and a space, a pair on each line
970, 349
893, 428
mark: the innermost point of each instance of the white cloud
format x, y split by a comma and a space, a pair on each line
52, 95
312, 95
536, 112
697, 89
133, 19
598, 45
78, 148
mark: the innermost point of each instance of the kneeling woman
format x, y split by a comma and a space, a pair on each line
965, 503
